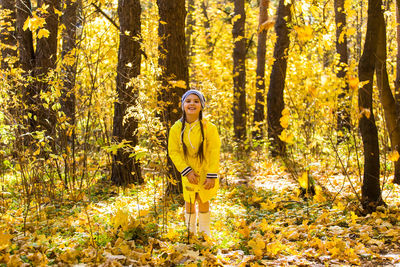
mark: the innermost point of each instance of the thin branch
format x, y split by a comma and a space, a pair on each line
105, 15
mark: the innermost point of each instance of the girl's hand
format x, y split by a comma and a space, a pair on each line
192, 177
209, 183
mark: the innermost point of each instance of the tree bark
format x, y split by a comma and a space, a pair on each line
7, 36
397, 82
275, 99
360, 19
370, 190
125, 169
259, 113
343, 114
174, 67
26, 60
239, 72
68, 98
191, 23
45, 60
390, 107
207, 28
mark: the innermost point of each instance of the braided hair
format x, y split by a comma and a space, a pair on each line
200, 152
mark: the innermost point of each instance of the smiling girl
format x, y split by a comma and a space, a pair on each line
194, 146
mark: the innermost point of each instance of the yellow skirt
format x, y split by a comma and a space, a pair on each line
190, 190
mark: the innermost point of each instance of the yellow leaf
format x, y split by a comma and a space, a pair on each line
180, 84
353, 217
365, 112
268, 205
319, 196
285, 137
353, 82
236, 18
303, 180
304, 33
27, 24
284, 121
58, 12
257, 245
350, 31
394, 156
163, 22
5, 240
37, 152
266, 26
43, 33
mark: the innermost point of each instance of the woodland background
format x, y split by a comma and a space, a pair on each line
305, 95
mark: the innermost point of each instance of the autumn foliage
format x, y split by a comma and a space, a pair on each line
59, 205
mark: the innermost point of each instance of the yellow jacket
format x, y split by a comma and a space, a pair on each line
208, 168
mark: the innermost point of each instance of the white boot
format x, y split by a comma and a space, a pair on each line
191, 222
204, 223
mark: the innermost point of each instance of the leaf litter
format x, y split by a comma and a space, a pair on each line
261, 223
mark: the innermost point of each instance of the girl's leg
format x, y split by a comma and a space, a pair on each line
190, 217
204, 217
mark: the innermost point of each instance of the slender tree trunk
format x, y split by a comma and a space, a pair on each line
68, 99
191, 23
391, 108
397, 82
207, 27
275, 99
125, 169
174, 67
45, 60
360, 19
8, 37
26, 59
370, 190
259, 113
239, 72
343, 119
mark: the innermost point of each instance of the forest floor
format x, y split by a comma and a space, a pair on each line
258, 220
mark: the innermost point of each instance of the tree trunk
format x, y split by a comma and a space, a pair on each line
207, 28
68, 99
45, 60
343, 114
8, 37
125, 169
359, 24
26, 59
173, 63
239, 72
275, 99
391, 108
397, 82
259, 115
191, 22
370, 190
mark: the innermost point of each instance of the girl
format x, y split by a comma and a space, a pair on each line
193, 146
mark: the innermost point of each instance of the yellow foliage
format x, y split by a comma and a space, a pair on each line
34, 23
268, 205
43, 33
304, 33
319, 196
180, 84
285, 137
5, 240
394, 156
257, 245
303, 180
265, 26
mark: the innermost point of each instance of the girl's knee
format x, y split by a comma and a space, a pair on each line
204, 207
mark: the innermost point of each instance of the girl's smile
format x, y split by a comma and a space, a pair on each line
192, 106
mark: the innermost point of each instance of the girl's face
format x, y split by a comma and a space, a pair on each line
192, 105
